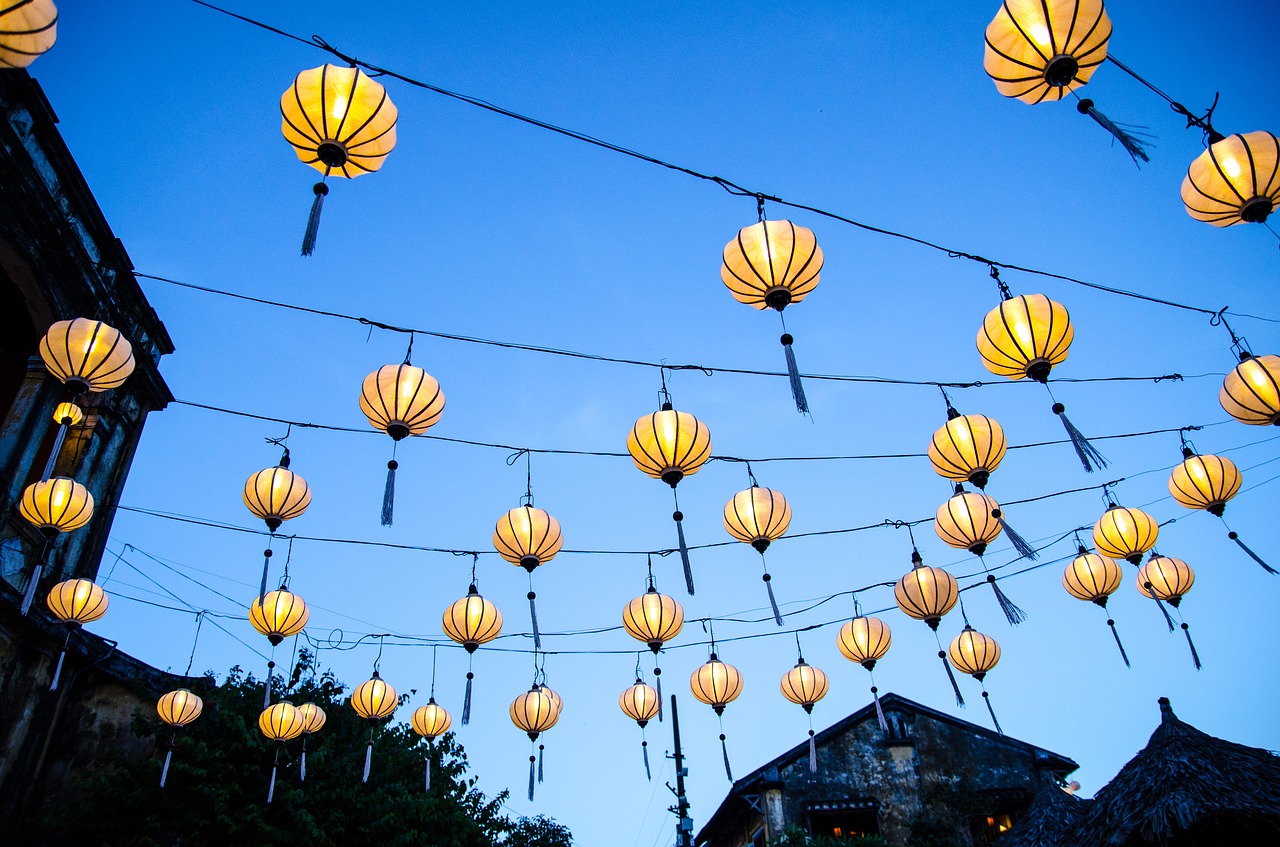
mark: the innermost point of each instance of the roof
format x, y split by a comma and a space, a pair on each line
1053, 817
1183, 777
734, 802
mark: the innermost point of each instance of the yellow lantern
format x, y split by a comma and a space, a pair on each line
86, 355
1237, 180
716, 683
926, 593
1204, 482
968, 521
804, 685
967, 448
373, 699
177, 709
431, 721
759, 516
75, 602
340, 122
313, 719
1125, 533
400, 400
770, 265
471, 621
653, 618
28, 28
68, 414
534, 712
556, 702
1025, 337
1039, 51
1165, 578
527, 537
642, 704
1251, 392
58, 504
975, 654
281, 721
670, 445
279, 615
1095, 578
277, 494
864, 640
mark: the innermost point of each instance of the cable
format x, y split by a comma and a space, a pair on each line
728, 185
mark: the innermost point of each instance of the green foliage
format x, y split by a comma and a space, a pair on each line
217, 785
794, 836
538, 831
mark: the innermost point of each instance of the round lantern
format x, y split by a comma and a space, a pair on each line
281, 721
1039, 51
1095, 578
400, 400
968, 448
279, 615
431, 721
75, 602
642, 704
177, 709
313, 719
1251, 392
1237, 180
1204, 482
373, 699
28, 28
759, 516
653, 618
1125, 533
68, 414
804, 685
58, 504
277, 494
86, 355
716, 683
471, 621
527, 537
968, 521
1025, 337
864, 640
1165, 578
534, 712
975, 654
926, 593
340, 122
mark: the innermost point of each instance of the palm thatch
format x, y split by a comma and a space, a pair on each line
1051, 821
1186, 789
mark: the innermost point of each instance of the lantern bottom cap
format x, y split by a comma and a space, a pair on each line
1256, 211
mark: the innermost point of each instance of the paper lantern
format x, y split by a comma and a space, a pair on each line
771, 265
471, 621
1165, 578
313, 717
1041, 50
716, 683
1025, 337
641, 703
279, 615
926, 593
1204, 482
653, 618
373, 699
431, 721
804, 685
281, 722
967, 448
864, 640
534, 712
1095, 578
28, 28
68, 414
759, 516
277, 494
670, 445
75, 602
527, 537
1125, 533
1237, 180
976, 654
58, 504
86, 355
177, 708
1251, 392
968, 521
400, 400
340, 122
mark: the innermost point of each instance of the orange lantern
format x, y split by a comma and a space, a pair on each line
642, 704
866, 640
967, 448
975, 654
534, 712
471, 621
1125, 533
1095, 578
373, 700
528, 537
401, 400
28, 28
805, 685
654, 619
177, 709
430, 721
1166, 580
717, 684
970, 521
313, 718
926, 594
75, 602
759, 516
1236, 180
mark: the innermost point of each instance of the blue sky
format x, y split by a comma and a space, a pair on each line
478, 225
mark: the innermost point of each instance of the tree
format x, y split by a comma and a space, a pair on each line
217, 785
538, 831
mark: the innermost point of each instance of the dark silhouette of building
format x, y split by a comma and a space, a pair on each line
927, 769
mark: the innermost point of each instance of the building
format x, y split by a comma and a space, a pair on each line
59, 259
926, 769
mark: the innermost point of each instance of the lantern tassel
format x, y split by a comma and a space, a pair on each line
164, 773
271, 790
657, 682
991, 711
684, 553
1250, 553
466, 701
1136, 148
266, 566
813, 754
389, 493
793, 373
302, 769
773, 603
1089, 455
313, 221
428, 773
951, 676
1195, 657
1025, 550
266, 693
1111, 623
533, 616
644, 748
884, 724
368, 760
1163, 610
531, 759
57, 672
724, 751
32, 584
541, 748
1012, 613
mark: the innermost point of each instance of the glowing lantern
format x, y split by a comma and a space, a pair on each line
759, 516
528, 537
400, 400
771, 265
1208, 482
1095, 578
177, 709
340, 122
66, 415
670, 445
926, 594
84, 354
75, 602
275, 495
641, 703
279, 615
534, 712
654, 619
28, 28
1040, 51
970, 521
717, 684
805, 685
280, 723
55, 505
1166, 579
313, 719
967, 448
1125, 533
1237, 180
373, 700
471, 621
1251, 392
865, 640
975, 654
430, 721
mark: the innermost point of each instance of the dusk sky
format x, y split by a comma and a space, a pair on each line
481, 226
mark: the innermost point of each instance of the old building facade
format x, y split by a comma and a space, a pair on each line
927, 769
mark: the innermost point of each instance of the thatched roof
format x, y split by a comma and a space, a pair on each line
1187, 788
1050, 822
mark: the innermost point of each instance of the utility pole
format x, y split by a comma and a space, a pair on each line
684, 828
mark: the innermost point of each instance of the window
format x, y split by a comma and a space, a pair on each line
845, 823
